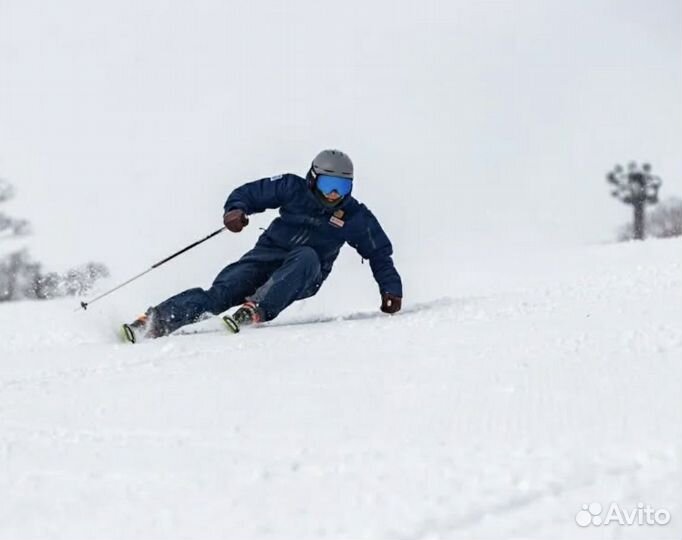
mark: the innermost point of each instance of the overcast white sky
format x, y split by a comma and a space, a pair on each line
124, 124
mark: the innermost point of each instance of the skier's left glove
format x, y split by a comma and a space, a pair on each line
390, 303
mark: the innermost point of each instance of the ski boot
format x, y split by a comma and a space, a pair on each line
249, 313
144, 327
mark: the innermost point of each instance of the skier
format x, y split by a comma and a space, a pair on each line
292, 258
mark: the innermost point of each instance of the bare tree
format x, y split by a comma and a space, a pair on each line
21, 277
10, 226
637, 187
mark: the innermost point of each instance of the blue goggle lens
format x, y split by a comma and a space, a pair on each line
326, 184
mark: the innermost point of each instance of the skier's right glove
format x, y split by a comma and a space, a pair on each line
235, 220
390, 303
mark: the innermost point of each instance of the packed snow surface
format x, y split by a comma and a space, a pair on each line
500, 400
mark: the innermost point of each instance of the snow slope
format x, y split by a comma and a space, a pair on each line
493, 407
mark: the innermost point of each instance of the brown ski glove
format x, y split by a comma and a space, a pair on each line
235, 220
390, 303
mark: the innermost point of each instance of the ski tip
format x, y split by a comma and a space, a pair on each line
231, 324
127, 334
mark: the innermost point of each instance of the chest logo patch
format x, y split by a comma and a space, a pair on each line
336, 221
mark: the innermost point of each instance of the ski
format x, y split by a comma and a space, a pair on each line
127, 334
232, 325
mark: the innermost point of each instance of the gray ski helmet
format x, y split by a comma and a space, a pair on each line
332, 162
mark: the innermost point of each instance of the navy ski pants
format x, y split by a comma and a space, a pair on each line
270, 276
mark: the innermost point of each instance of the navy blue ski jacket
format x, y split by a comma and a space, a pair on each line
304, 221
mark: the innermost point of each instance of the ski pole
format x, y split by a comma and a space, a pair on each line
85, 305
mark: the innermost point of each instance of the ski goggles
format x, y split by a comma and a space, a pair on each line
326, 184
